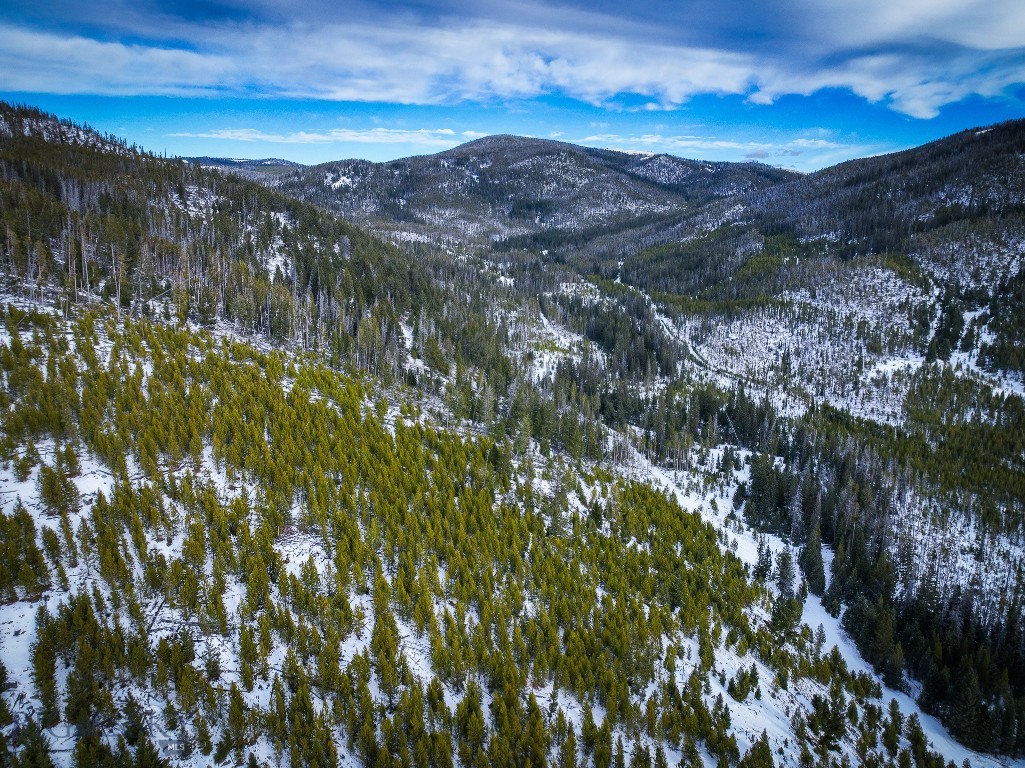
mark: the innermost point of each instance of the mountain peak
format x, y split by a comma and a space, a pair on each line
510, 143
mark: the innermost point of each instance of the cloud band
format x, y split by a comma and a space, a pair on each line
480, 61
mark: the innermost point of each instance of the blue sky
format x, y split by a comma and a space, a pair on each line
801, 84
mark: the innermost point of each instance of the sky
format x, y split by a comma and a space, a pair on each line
800, 84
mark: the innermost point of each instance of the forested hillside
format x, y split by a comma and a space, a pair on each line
878, 299
276, 492
138, 232
244, 553
875, 306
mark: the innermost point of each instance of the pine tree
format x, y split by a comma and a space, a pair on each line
964, 716
811, 560
568, 750
785, 574
763, 566
472, 729
760, 755
640, 756
35, 752
603, 747
535, 739
237, 720
588, 730
248, 657
44, 670
146, 755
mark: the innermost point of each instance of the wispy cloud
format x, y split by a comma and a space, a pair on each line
803, 152
427, 137
800, 152
654, 140
44, 62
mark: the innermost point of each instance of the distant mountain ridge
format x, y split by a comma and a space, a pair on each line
501, 187
953, 210
257, 170
244, 162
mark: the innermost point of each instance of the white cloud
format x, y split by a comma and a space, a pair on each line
914, 56
436, 137
44, 62
801, 152
806, 152
405, 64
908, 83
986, 25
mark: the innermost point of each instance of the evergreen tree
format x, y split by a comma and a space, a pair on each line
568, 750
763, 566
760, 754
811, 560
785, 573
35, 748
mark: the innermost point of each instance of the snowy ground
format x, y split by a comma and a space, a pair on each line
777, 352
543, 345
701, 490
713, 501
